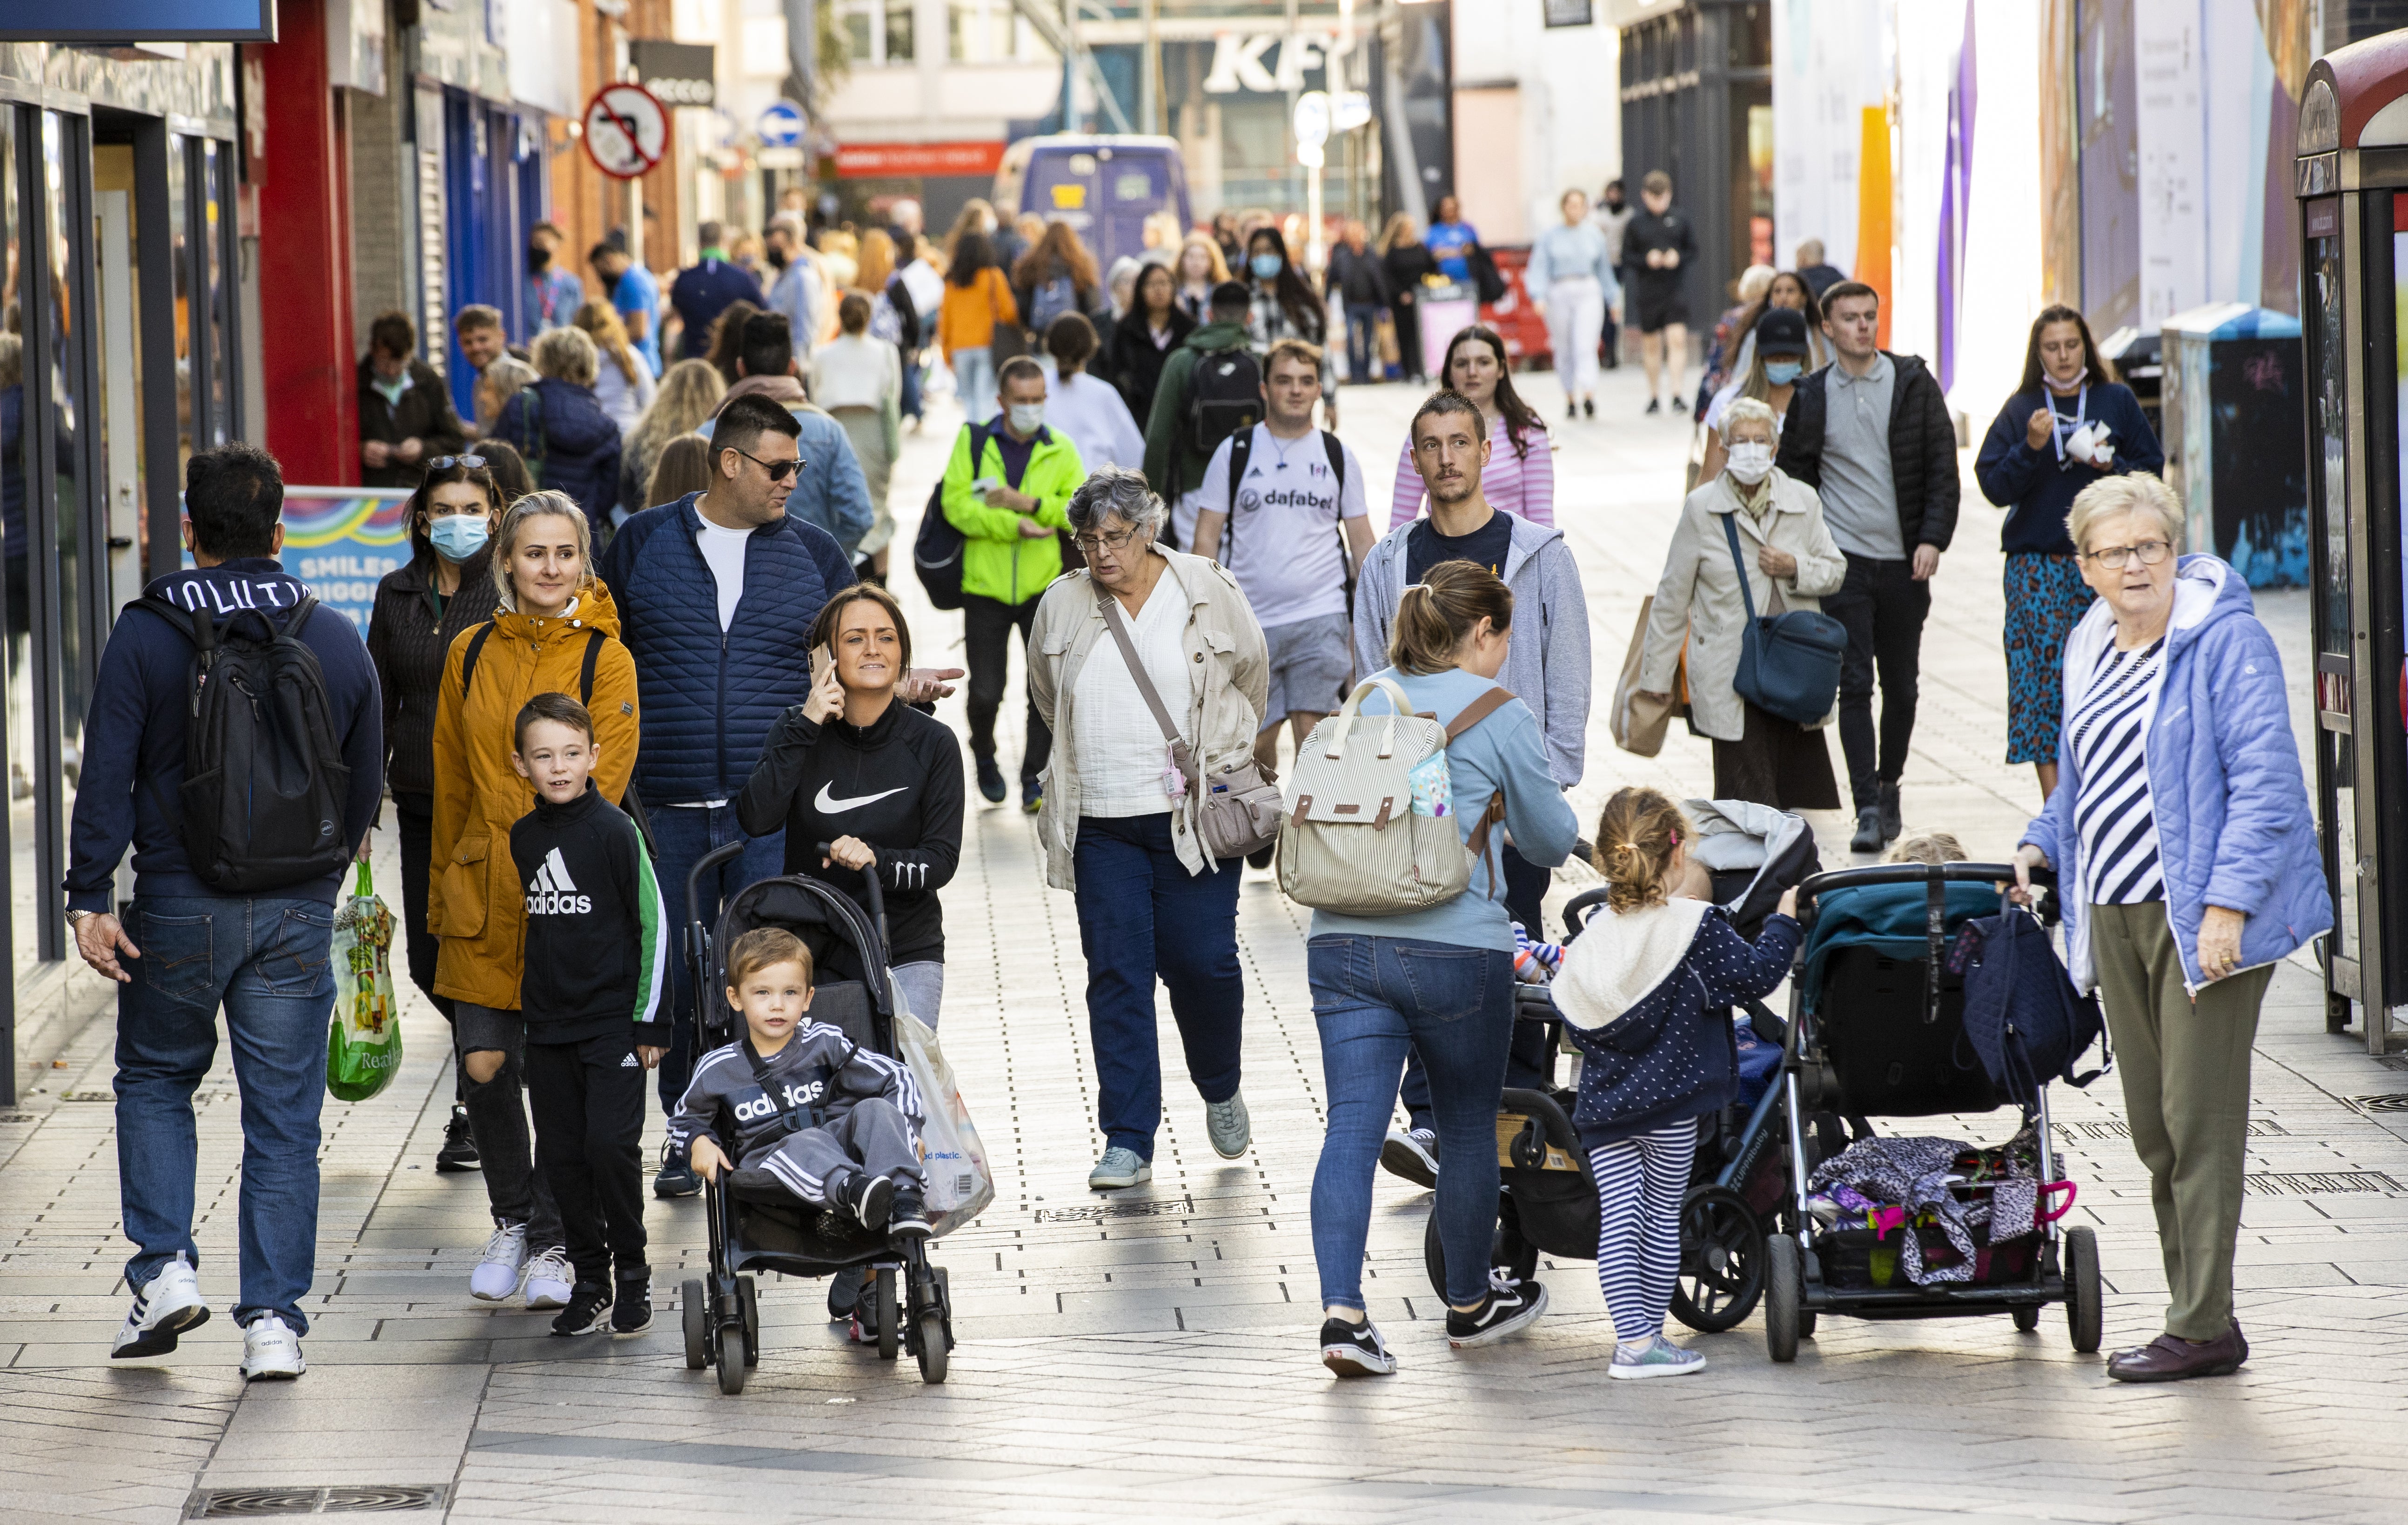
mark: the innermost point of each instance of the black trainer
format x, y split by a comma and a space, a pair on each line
631, 1311
458, 1150
990, 781
677, 1181
1354, 1350
844, 1292
1588, 406
908, 1218
1893, 824
589, 1304
1654, 406
1869, 831
868, 1198
1507, 1308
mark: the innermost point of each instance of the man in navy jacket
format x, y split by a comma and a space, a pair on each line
716, 595
187, 949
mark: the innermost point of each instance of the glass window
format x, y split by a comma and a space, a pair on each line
66, 336
216, 161
898, 30
860, 20
17, 476
180, 239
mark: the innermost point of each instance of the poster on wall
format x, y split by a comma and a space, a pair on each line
340, 542
1827, 69
2173, 204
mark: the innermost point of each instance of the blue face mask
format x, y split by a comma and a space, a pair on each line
1781, 372
459, 536
1265, 267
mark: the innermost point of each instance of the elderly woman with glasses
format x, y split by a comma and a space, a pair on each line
2187, 862
1119, 823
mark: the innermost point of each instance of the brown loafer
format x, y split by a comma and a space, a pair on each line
2170, 1359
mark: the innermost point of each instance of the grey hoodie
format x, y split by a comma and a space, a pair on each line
1547, 665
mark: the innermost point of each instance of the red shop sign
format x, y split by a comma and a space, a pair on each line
862, 160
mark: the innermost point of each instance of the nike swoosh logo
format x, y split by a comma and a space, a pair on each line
830, 804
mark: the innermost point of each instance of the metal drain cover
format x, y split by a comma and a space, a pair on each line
1102, 1211
2318, 1182
2258, 1128
263, 1502
2395, 1101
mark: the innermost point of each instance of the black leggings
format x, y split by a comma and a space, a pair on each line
414, 815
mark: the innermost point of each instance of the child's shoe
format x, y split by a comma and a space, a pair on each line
1659, 1357
587, 1312
909, 1218
868, 1198
631, 1311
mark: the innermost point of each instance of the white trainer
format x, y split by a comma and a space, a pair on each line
168, 1305
496, 1276
1228, 1126
549, 1279
271, 1352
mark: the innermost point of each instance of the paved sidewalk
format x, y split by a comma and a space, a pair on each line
1151, 1354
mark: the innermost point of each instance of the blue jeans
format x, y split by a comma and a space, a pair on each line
1363, 341
1373, 998
265, 962
683, 834
1141, 915
974, 383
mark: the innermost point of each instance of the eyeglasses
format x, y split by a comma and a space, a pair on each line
1110, 540
779, 470
445, 462
2112, 557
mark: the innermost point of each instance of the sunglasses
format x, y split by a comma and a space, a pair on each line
445, 462
779, 470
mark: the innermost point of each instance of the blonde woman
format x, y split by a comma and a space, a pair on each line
860, 380
503, 378
623, 383
1199, 268
689, 395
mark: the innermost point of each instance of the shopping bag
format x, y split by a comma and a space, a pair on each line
363, 1039
1383, 328
1638, 723
958, 1185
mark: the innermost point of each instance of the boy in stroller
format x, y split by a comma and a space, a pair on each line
804, 1106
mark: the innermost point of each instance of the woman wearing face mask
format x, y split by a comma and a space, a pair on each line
446, 587
2069, 425
1778, 358
1285, 307
1790, 562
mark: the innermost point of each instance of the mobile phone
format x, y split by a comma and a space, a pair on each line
985, 485
822, 660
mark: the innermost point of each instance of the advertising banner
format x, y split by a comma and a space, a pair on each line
342, 540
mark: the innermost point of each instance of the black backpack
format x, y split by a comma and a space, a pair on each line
937, 550
264, 781
1242, 449
594, 640
1225, 394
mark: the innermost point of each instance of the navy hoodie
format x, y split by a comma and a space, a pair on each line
133, 733
2037, 489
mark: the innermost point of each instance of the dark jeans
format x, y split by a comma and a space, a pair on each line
1883, 609
682, 835
414, 815
907, 404
589, 1126
1609, 342
497, 1118
1143, 917
265, 962
987, 624
1372, 999
1407, 316
1363, 341
1526, 888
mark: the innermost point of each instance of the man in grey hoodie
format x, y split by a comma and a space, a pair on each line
1547, 665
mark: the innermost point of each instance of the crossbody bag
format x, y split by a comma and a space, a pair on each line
1237, 811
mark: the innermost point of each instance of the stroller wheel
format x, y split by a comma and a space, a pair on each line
2084, 1311
1782, 1285
752, 1321
1722, 1261
698, 1325
2027, 1317
732, 1357
889, 1339
1506, 1250
932, 1326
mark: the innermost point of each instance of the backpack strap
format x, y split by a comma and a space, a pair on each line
1488, 704
1337, 464
593, 639
1241, 452
468, 660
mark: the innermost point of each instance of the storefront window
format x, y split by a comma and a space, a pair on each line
215, 161
65, 387
16, 485
179, 241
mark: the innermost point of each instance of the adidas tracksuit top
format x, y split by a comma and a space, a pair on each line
597, 945
820, 1073
894, 783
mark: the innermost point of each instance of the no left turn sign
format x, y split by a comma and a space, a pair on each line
626, 130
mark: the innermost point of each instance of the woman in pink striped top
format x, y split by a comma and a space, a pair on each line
1520, 477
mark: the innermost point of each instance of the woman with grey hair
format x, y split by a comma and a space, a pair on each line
1790, 563
570, 443
1120, 820
2187, 865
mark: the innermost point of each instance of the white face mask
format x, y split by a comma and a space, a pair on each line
1026, 418
1751, 461
2066, 388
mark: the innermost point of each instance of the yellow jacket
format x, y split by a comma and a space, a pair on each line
475, 902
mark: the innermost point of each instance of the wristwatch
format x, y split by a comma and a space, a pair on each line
75, 917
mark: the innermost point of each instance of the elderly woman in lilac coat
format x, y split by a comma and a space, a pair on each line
2187, 862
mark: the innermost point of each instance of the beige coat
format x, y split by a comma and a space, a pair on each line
1701, 592
1229, 673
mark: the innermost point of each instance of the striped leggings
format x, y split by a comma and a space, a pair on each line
1639, 1183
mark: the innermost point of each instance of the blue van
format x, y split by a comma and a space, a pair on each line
1105, 186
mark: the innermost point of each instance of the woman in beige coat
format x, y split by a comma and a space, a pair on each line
1758, 756
1120, 824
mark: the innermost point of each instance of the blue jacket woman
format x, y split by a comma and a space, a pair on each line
570, 443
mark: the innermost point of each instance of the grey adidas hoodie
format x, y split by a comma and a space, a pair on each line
1547, 664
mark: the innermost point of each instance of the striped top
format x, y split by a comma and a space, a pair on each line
2112, 815
1523, 487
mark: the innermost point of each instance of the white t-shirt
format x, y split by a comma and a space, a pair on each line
1096, 420
1284, 536
1121, 755
725, 550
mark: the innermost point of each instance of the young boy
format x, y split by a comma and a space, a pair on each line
597, 950
841, 1130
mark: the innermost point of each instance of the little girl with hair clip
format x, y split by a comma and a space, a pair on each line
1646, 990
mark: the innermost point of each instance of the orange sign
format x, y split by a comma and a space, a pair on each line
863, 161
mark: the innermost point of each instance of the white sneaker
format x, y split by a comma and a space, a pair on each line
168, 1305
496, 1276
270, 1350
549, 1279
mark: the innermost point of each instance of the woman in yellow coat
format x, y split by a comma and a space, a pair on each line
555, 626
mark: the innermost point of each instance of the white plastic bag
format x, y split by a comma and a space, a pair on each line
959, 1186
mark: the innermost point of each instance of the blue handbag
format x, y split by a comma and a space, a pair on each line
1789, 663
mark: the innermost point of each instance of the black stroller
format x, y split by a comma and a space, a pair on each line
765, 1229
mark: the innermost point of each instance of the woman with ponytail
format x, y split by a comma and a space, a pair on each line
1438, 980
1646, 990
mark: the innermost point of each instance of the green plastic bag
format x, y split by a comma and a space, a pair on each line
363, 1040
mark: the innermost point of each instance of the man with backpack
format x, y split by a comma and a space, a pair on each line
242, 818
1211, 388
1288, 518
